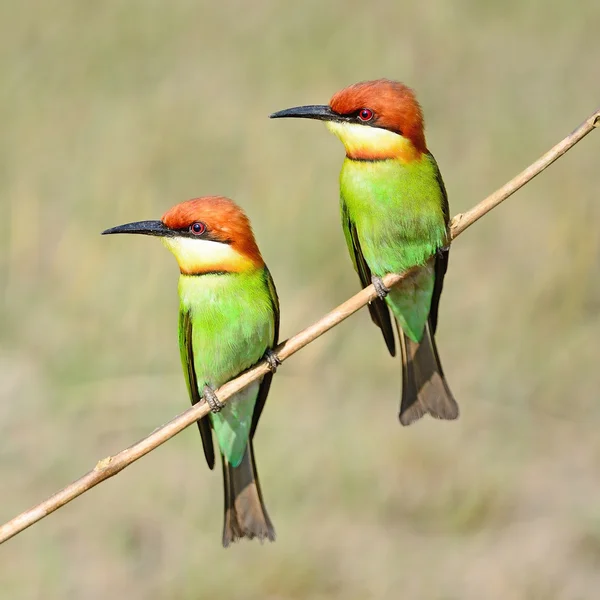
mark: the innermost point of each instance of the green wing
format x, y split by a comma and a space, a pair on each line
380, 313
265, 385
187, 359
443, 254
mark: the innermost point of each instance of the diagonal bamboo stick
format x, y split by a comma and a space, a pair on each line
112, 465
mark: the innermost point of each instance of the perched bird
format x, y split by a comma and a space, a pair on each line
228, 320
395, 216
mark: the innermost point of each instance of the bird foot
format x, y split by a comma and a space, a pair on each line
272, 359
211, 399
381, 289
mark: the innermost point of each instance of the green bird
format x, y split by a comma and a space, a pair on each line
395, 216
228, 321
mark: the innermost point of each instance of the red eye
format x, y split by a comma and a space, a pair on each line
197, 228
365, 114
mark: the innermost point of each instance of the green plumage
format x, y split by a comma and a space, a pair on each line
228, 319
227, 322
395, 216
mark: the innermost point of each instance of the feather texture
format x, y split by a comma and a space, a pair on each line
227, 322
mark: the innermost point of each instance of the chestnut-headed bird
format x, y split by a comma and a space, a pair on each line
228, 320
395, 216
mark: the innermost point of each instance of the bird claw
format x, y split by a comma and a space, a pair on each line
272, 360
381, 289
211, 399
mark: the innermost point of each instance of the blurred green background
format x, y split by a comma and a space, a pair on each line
113, 112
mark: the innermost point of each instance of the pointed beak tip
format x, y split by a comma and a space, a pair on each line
279, 114
321, 112
156, 228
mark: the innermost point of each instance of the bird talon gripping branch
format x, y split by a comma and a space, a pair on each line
211, 399
380, 287
272, 359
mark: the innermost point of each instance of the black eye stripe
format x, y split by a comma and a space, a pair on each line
206, 234
372, 121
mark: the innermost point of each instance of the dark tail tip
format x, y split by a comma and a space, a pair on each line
260, 531
245, 512
440, 406
424, 387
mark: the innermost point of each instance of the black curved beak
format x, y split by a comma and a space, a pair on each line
157, 228
321, 112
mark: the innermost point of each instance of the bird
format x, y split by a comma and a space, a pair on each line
228, 321
395, 217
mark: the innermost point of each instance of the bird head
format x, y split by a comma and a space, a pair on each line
374, 120
206, 235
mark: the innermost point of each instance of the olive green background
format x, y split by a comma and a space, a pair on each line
114, 111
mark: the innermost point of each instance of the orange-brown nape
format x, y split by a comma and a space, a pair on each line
216, 236
394, 109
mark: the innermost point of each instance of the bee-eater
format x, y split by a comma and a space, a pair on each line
228, 320
395, 216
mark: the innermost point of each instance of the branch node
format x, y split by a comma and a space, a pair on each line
456, 220
103, 464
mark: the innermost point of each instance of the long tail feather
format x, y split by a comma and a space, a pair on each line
424, 387
245, 512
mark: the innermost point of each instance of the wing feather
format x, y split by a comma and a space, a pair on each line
443, 255
265, 385
380, 314
187, 358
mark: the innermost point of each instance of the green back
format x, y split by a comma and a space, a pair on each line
400, 215
233, 319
